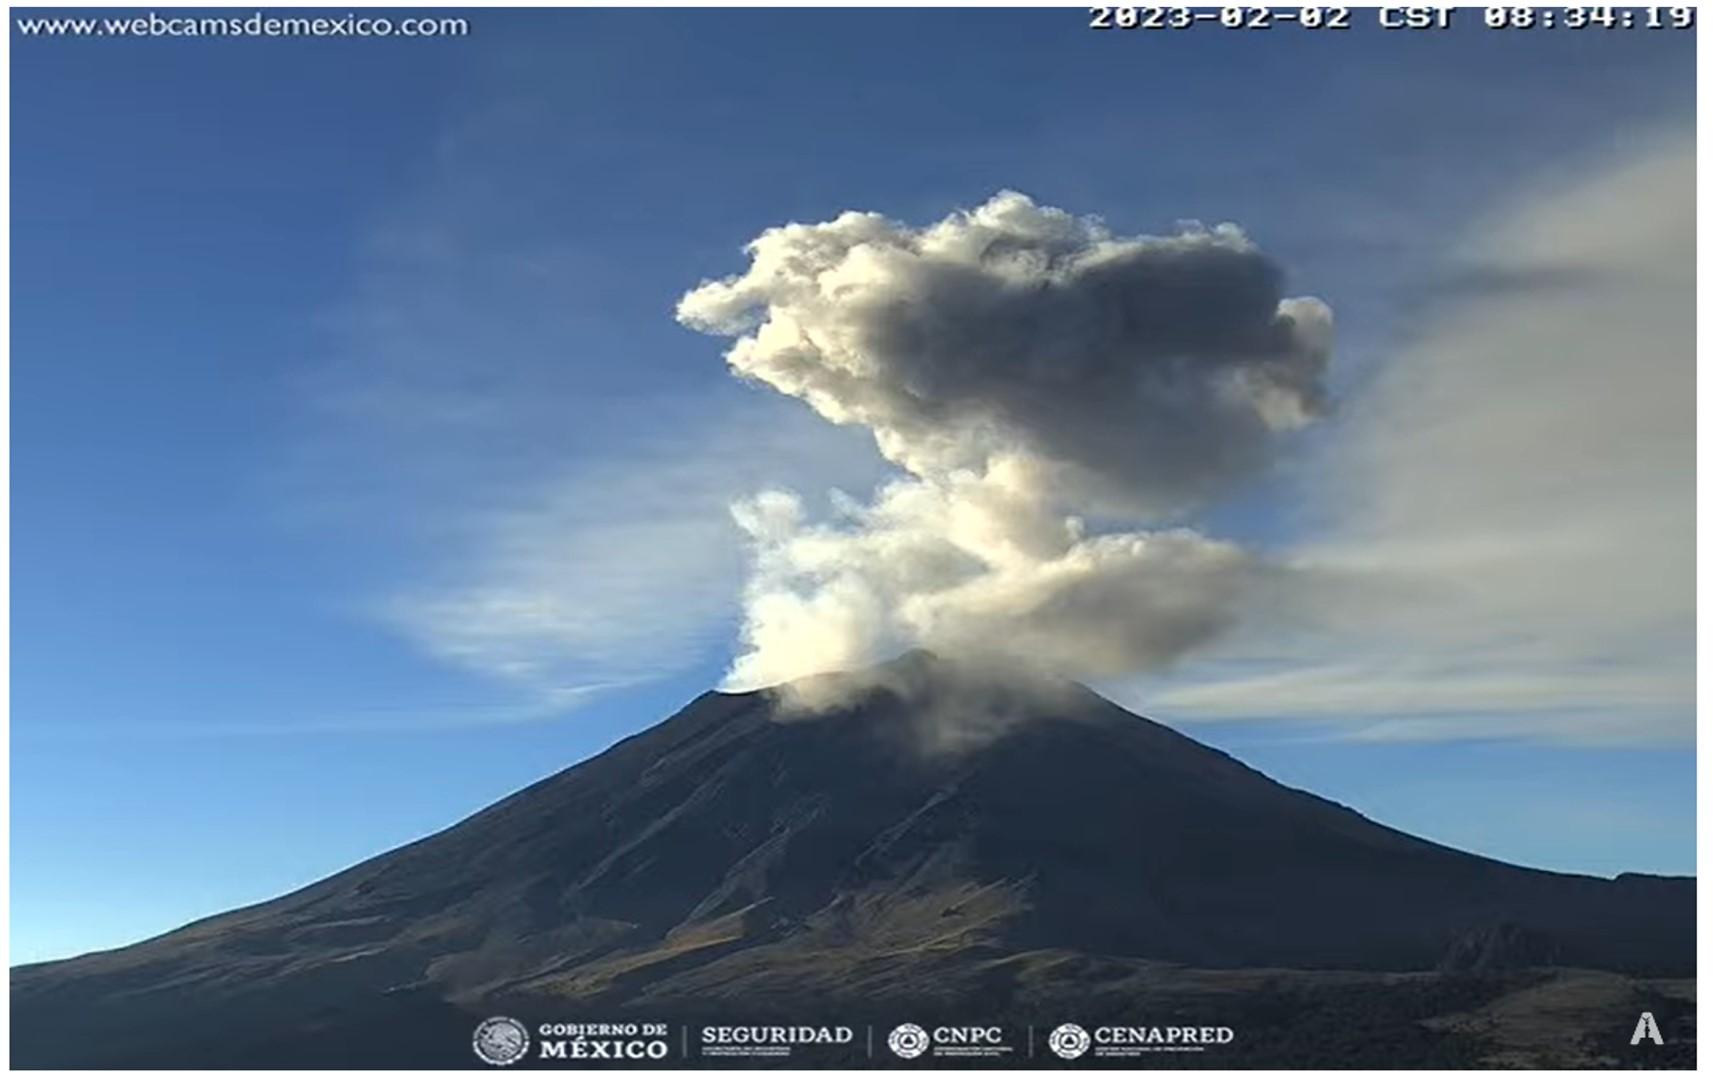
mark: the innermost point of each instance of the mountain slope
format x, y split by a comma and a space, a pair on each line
937, 821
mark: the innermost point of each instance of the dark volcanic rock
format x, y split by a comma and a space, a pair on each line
1505, 946
946, 832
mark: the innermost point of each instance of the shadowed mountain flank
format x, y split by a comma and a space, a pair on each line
925, 827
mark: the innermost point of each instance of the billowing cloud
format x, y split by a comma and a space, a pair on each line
1056, 397
1149, 372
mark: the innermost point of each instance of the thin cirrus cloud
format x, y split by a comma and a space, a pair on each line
1504, 540
622, 570
522, 484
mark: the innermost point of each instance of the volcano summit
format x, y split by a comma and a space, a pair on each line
934, 843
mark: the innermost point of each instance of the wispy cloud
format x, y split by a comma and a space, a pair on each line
625, 568
1504, 520
526, 466
414, 719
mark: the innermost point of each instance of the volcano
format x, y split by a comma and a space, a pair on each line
935, 839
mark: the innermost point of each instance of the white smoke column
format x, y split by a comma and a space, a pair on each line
1031, 374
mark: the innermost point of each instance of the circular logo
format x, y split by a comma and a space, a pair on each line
500, 1041
907, 1040
1068, 1041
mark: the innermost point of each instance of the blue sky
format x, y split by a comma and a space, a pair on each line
361, 474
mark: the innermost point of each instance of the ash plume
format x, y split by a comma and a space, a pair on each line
1058, 400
